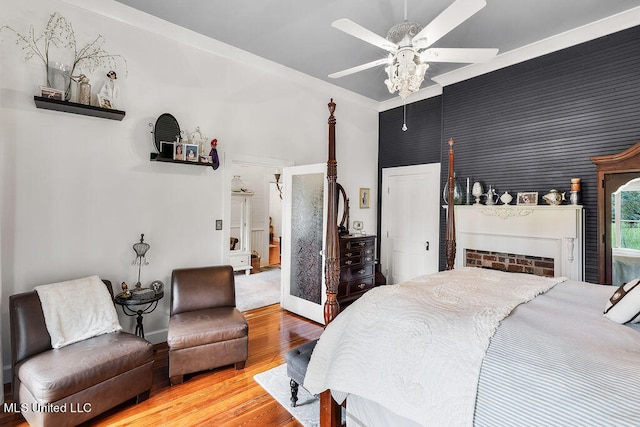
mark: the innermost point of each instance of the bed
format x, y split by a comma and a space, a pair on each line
477, 347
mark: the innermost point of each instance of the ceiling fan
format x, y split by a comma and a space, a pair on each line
408, 44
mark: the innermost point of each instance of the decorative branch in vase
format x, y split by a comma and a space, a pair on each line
59, 37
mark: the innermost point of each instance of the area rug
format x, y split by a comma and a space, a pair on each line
257, 290
276, 382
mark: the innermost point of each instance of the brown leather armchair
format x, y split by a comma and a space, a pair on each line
85, 378
206, 330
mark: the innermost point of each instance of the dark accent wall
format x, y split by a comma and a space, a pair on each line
419, 144
534, 126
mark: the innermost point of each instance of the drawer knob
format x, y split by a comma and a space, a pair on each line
348, 254
362, 243
361, 271
362, 286
368, 259
349, 262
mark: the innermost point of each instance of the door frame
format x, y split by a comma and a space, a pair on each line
434, 168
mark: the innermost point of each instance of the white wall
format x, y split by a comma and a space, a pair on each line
78, 191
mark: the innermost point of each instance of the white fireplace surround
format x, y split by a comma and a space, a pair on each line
546, 231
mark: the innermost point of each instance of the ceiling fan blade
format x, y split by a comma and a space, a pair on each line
450, 18
362, 33
461, 55
360, 68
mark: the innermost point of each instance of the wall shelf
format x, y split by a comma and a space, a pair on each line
72, 107
155, 158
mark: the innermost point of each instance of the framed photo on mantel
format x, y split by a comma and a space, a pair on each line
528, 198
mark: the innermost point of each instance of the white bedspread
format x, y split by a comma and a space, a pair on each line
435, 331
77, 309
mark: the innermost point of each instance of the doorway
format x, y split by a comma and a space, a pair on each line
258, 178
410, 221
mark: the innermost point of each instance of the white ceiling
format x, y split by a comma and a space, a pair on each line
299, 35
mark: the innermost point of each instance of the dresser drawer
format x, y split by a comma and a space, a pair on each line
354, 259
239, 260
360, 271
361, 286
368, 243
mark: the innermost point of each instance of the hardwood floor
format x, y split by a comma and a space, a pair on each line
220, 397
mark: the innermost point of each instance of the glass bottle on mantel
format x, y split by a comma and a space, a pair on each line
84, 91
457, 192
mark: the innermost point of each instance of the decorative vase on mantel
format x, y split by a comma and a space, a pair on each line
457, 192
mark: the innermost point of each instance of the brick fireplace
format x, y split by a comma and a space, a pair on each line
538, 239
540, 266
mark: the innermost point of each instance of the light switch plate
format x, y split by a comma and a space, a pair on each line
218, 224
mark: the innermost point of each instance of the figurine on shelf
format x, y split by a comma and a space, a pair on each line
125, 290
110, 89
215, 160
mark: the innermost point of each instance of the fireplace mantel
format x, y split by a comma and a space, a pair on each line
546, 231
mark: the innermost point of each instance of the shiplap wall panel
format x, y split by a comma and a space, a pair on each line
534, 126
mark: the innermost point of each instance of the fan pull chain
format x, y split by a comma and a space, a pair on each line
405, 10
404, 116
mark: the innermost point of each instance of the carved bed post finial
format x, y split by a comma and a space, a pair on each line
450, 239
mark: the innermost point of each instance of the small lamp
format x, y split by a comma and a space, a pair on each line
140, 249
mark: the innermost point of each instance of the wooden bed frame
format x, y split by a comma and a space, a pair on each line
330, 413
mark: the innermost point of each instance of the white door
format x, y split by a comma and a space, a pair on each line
303, 240
410, 223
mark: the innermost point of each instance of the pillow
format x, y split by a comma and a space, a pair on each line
624, 304
77, 310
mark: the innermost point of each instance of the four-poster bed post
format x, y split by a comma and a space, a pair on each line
330, 412
450, 237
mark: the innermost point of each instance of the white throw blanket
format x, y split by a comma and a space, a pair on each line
77, 309
417, 347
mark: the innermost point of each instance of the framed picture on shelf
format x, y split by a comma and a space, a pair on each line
166, 149
528, 198
191, 152
178, 152
104, 102
364, 198
51, 93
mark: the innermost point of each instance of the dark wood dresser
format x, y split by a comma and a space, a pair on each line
357, 267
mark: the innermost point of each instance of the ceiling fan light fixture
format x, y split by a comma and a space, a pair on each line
406, 73
402, 34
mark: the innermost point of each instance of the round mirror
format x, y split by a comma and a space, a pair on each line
166, 129
343, 227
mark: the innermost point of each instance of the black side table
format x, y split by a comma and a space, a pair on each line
148, 299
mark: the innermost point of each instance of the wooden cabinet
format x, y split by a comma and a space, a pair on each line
240, 232
357, 267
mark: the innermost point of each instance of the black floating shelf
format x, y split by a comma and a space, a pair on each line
72, 107
155, 158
